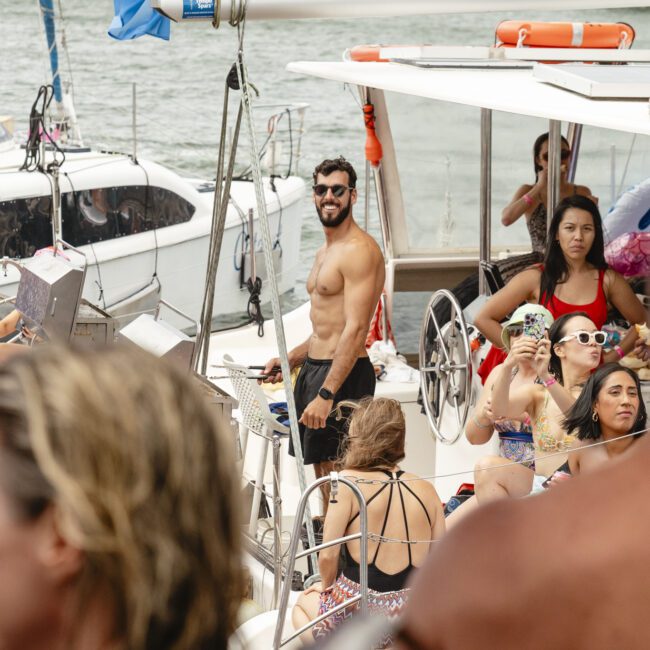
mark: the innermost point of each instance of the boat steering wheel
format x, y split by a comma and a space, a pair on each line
445, 366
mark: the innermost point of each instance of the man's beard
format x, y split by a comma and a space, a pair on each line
343, 214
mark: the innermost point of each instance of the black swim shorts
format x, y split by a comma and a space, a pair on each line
319, 445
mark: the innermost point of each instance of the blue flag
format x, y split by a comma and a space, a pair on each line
134, 18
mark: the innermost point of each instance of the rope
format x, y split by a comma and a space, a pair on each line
38, 134
237, 13
254, 308
216, 16
219, 211
268, 256
379, 481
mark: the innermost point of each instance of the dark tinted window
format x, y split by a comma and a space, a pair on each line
25, 226
91, 216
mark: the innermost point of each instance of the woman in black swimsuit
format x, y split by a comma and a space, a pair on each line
530, 200
401, 507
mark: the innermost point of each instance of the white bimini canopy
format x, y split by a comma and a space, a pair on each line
507, 90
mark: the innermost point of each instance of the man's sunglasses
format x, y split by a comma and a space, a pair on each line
585, 338
337, 190
564, 154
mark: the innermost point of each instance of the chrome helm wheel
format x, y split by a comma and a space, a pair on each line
445, 366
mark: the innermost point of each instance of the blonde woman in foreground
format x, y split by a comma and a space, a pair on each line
118, 513
401, 506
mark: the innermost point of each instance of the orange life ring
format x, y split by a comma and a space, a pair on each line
583, 35
366, 53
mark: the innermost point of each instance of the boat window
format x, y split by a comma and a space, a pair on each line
439, 172
91, 216
25, 226
169, 208
437, 148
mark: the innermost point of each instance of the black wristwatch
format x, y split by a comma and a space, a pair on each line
326, 394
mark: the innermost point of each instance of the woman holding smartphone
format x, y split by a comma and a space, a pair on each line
515, 434
530, 200
563, 363
573, 277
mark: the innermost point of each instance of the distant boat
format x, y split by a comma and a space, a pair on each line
144, 228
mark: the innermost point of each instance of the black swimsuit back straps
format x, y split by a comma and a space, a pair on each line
378, 579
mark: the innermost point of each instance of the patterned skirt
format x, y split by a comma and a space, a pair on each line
518, 449
387, 604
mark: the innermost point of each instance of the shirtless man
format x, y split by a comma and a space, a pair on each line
344, 287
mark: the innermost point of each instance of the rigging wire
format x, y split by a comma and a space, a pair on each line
378, 481
98, 282
246, 106
64, 45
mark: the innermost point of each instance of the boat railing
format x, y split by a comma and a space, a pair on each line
280, 127
362, 598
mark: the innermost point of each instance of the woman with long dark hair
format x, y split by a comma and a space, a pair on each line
573, 277
563, 362
608, 410
530, 200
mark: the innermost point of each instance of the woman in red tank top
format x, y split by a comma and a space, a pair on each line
573, 277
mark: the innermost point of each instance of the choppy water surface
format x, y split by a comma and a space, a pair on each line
180, 95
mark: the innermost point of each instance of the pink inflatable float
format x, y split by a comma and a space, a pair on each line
627, 232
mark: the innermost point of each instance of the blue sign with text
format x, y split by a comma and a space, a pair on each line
198, 8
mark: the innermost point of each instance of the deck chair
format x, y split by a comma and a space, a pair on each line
492, 276
256, 417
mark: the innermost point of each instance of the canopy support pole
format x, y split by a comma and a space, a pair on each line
574, 136
554, 162
485, 243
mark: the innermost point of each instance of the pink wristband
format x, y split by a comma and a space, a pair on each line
549, 382
527, 199
619, 351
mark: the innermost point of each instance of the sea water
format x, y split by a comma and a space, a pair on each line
180, 94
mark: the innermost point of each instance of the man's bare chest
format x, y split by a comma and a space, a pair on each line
326, 278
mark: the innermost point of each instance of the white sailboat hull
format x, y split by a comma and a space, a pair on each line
172, 258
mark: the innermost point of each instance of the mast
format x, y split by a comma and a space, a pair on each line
65, 119
179, 10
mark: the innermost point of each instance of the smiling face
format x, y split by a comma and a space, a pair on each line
576, 233
332, 210
583, 357
617, 404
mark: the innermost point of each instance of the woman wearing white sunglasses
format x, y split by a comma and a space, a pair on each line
563, 365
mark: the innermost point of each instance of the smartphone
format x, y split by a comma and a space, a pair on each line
534, 325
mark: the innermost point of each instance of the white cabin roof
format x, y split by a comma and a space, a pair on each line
508, 90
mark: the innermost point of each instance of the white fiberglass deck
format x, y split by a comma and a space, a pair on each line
511, 91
